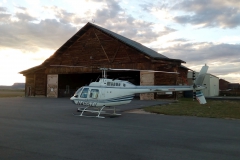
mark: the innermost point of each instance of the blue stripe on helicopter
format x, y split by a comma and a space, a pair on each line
117, 99
199, 94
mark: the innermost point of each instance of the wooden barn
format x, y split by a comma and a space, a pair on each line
76, 63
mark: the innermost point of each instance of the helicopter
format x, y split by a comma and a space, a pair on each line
113, 92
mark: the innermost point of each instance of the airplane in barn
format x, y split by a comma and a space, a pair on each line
113, 92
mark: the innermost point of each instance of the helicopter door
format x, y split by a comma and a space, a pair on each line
94, 93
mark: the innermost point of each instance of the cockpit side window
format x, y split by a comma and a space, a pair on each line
84, 93
94, 93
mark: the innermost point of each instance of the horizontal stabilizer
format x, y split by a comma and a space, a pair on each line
200, 97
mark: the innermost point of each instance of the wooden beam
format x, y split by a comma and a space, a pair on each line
129, 57
119, 44
101, 45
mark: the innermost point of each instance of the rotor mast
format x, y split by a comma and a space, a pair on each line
104, 72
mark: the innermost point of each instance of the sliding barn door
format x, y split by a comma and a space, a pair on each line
146, 79
52, 85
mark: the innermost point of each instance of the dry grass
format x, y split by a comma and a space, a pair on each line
11, 93
187, 107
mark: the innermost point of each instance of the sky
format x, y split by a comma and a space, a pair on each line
196, 31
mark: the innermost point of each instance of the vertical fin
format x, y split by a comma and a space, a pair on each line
201, 75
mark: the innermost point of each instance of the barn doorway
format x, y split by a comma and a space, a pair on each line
69, 83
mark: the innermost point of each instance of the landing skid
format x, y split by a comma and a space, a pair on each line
97, 110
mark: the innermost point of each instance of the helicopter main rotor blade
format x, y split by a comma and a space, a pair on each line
68, 66
105, 69
142, 70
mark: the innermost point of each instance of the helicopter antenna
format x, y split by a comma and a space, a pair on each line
97, 78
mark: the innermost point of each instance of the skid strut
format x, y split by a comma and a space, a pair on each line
99, 112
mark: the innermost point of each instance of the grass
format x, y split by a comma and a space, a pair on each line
187, 107
11, 93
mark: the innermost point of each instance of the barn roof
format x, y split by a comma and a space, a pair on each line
132, 43
184, 67
145, 50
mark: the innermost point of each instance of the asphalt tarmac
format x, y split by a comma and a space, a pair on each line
44, 128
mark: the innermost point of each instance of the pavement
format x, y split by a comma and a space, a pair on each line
44, 128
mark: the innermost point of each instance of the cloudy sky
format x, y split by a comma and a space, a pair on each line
195, 31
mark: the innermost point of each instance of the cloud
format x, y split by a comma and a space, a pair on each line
209, 13
4, 17
22, 8
3, 9
29, 33
62, 15
27, 36
24, 17
222, 58
114, 18
204, 51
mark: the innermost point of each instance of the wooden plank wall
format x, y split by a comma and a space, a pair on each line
182, 77
29, 84
166, 79
40, 83
37, 82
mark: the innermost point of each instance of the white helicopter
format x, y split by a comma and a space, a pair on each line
111, 92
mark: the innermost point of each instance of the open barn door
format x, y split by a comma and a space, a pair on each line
52, 85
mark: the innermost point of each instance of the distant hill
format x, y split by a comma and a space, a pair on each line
14, 86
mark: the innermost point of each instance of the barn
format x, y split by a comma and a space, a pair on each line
76, 63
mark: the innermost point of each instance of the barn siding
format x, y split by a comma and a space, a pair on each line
40, 83
30, 85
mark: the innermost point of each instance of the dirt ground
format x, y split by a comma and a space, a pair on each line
11, 93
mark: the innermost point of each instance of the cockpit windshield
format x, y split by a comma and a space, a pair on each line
77, 92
